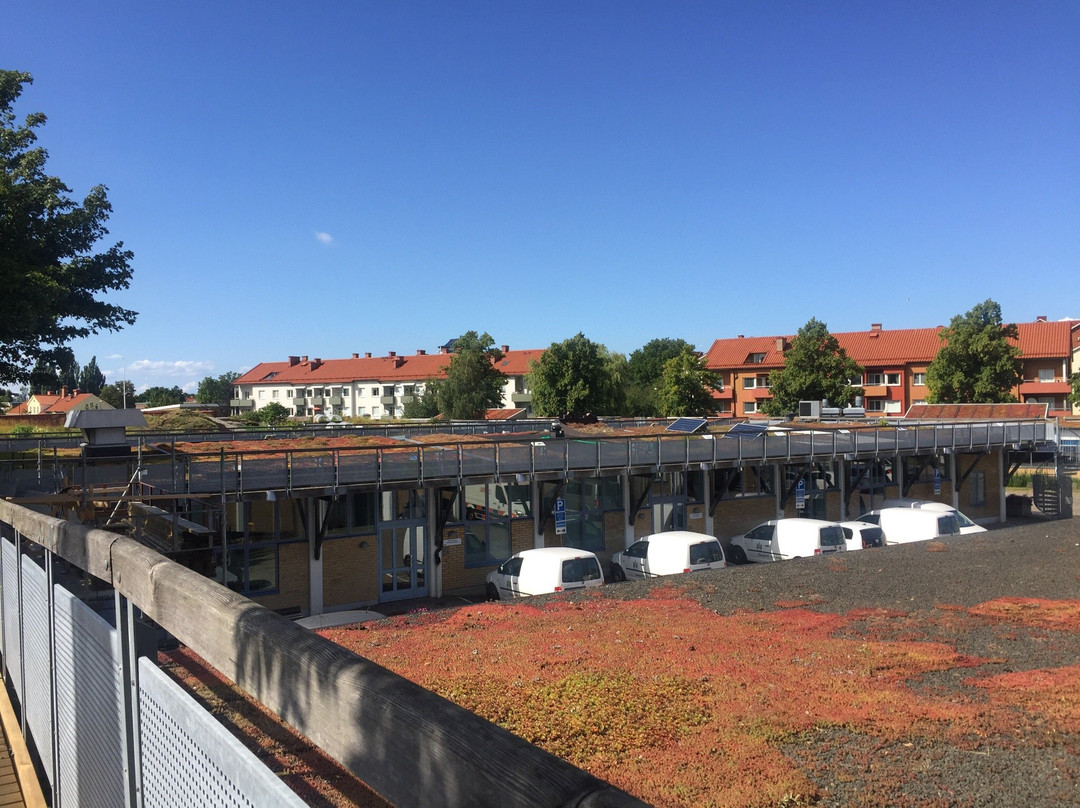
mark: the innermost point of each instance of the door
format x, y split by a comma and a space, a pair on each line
403, 545
760, 543
669, 513
402, 567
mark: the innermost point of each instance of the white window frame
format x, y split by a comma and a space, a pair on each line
918, 380
893, 379
750, 407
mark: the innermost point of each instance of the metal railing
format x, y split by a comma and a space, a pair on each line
416, 464
110, 730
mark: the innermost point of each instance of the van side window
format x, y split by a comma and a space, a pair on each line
762, 533
639, 549
511, 566
947, 525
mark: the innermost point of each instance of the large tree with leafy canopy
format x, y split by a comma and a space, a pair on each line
815, 368
644, 368
473, 383
217, 389
51, 281
687, 386
578, 376
976, 363
91, 379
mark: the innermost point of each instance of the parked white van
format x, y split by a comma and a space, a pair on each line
861, 535
544, 570
966, 525
781, 539
667, 554
905, 525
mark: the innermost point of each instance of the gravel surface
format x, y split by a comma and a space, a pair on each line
1035, 765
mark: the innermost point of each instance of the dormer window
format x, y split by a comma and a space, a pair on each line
755, 359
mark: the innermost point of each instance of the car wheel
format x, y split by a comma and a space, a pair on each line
738, 554
617, 573
492, 592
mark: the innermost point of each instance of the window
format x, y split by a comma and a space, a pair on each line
375, 391
892, 379
875, 379
755, 359
289, 393
345, 392
752, 382
918, 379
274, 394
978, 488
261, 393
1046, 374
487, 512
855, 381
750, 407
586, 503
579, 570
875, 405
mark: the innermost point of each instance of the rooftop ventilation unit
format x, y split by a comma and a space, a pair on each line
809, 409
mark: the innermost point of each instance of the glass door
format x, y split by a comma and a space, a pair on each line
403, 545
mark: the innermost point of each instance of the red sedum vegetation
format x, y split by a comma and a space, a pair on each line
684, 707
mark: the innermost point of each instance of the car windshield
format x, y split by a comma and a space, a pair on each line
579, 570
706, 552
948, 525
832, 536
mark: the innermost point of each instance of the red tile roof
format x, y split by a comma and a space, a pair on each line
882, 348
330, 371
51, 402
1046, 340
516, 363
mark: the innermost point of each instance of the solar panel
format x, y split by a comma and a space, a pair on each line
687, 425
747, 429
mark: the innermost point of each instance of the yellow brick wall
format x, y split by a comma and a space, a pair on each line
350, 571
735, 516
293, 579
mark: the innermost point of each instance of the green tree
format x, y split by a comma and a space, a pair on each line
273, 414
91, 379
1074, 398
118, 394
50, 278
162, 396
644, 369
687, 385
815, 368
473, 383
425, 405
576, 375
976, 363
53, 370
217, 390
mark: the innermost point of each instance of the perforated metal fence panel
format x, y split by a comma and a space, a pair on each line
189, 759
37, 696
12, 652
89, 706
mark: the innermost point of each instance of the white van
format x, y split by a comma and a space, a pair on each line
861, 535
780, 539
966, 525
905, 525
544, 570
667, 554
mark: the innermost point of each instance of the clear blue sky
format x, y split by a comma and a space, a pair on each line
329, 177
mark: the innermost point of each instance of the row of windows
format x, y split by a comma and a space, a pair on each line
344, 392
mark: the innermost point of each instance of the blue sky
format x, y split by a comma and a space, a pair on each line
335, 177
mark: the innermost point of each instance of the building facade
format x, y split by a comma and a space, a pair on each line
894, 366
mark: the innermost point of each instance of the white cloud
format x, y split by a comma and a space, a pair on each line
323, 238
145, 373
